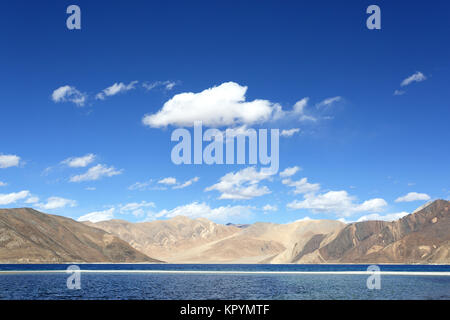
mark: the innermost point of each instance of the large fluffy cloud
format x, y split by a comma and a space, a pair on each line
242, 184
337, 202
218, 106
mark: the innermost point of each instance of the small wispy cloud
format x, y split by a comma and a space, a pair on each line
140, 185
301, 186
79, 162
95, 173
69, 94
269, 207
98, 216
167, 85
187, 183
56, 203
416, 77
413, 196
32, 199
288, 172
328, 102
9, 160
171, 181
289, 132
116, 88
399, 92
168, 181
13, 197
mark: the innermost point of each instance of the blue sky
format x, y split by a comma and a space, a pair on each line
371, 107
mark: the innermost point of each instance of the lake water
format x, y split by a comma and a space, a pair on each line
192, 282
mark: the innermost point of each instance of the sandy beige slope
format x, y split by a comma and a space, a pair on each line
184, 240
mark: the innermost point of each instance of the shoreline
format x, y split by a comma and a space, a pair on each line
230, 263
393, 273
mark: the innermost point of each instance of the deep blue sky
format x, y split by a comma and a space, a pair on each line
371, 143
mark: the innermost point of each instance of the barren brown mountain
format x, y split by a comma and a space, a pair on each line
420, 237
29, 236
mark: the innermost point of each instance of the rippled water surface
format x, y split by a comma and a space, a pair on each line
268, 285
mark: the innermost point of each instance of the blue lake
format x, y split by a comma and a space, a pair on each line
190, 281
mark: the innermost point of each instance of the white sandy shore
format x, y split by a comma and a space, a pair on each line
393, 273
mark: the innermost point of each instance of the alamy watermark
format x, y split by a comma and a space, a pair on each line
74, 280
374, 280
229, 147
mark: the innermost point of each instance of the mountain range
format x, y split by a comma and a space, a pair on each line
420, 237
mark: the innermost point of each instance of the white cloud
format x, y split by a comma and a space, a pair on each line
299, 111
329, 102
69, 94
168, 85
77, 162
269, 207
90, 188
304, 219
416, 77
171, 181
3, 184
302, 185
387, 217
299, 106
32, 199
136, 208
288, 172
338, 202
187, 183
242, 185
399, 92
202, 210
9, 160
95, 173
56, 203
115, 89
289, 132
141, 186
168, 181
413, 196
218, 106
98, 216
13, 197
